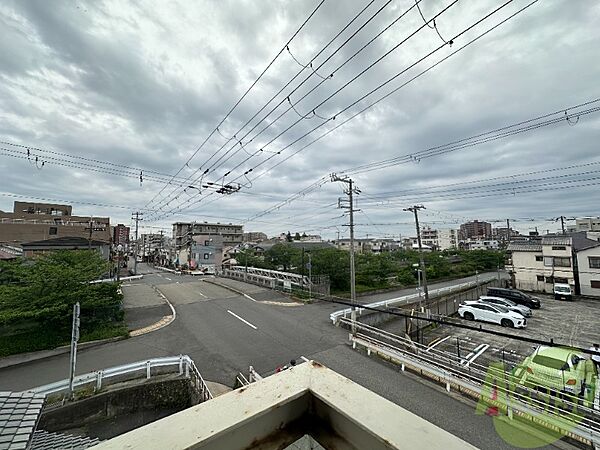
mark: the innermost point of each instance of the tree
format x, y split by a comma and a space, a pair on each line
288, 237
297, 236
280, 256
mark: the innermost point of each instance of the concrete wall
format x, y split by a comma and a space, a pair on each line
587, 274
171, 394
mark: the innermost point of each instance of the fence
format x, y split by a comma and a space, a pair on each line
570, 416
182, 365
412, 298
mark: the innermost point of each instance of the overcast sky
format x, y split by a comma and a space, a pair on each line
143, 84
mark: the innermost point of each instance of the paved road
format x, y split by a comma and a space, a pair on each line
225, 333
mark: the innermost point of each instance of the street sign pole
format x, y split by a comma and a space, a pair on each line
74, 340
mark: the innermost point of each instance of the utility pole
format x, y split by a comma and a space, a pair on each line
160, 252
90, 235
74, 340
562, 224
309, 276
507, 231
415, 210
350, 193
136, 217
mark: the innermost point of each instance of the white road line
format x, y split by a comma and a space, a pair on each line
201, 294
159, 275
168, 278
304, 358
245, 321
476, 354
437, 343
248, 297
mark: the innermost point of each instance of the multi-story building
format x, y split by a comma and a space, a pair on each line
572, 259
31, 222
151, 244
585, 224
447, 239
121, 235
480, 244
182, 232
255, 236
475, 229
429, 237
204, 252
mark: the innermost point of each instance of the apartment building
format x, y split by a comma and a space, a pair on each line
29, 222
442, 239
182, 231
585, 224
255, 236
475, 229
150, 244
121, 235
538, 264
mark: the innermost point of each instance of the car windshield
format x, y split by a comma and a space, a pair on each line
562, 289
501, 308
552, 363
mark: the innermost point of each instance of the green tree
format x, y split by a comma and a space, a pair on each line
280, 256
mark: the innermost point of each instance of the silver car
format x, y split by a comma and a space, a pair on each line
512, 306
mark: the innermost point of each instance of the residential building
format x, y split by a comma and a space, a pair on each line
182, 231
30, 222
10, 252
429, 237
588, 267
254, 236
480, 244
475, 229
447, 239
206, 253
585, 224
151, 244
121, 235
502, 235
65, 243
537, 264
311, 238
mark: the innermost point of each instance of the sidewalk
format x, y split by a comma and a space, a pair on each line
143, 306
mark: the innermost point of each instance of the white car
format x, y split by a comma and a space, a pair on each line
525, 311
492, 313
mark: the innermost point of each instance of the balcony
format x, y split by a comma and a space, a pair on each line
304, 403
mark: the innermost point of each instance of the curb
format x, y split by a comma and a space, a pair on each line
166, 320
266, 302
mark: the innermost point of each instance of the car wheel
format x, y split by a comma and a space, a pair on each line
507, 323
469, 316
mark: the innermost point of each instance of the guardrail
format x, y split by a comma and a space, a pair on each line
335, 316
111, 280
182, 364
572, 419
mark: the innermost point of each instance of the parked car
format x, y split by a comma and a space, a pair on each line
563, 291
520, 298
560, 369
492, 313
509, 304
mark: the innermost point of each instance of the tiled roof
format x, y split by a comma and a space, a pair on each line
19, 413
43, 440
524, 247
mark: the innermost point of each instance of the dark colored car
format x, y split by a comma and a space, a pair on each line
520, 298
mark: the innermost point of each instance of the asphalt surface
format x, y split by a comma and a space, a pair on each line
225, 332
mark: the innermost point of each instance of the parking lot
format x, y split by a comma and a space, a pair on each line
573, 323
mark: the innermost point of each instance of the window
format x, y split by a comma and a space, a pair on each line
206, 255
559, 247
548, 261
562, 262
595, 284
539, 258
550, 280
206, 243
561, 280
53, 230
594, 262
540, 277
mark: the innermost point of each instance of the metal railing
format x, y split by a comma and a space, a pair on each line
569, 416
337, 315
182, 365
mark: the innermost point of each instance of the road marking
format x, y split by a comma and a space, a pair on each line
476, 353
159, 275
177, 282
245, 321
168, 278
247, 296
201, 294
304, 358
434, 345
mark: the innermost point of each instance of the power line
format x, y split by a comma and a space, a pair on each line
383, 84
272, 122
243, 96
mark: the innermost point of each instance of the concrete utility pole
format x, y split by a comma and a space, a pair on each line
562, 224
350, 193
507, 231
160, 251
136, 217
415, 210
74, 340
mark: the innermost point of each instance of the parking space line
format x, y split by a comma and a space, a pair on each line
168, 278
476, 353
435, 344
198, 292
243, 320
